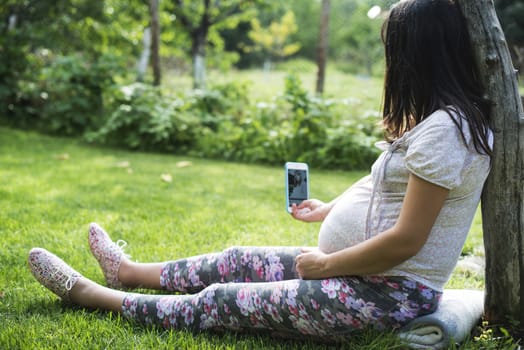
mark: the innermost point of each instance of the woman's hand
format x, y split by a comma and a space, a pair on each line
311, 264
310, 210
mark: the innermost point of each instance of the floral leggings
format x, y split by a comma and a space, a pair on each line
257, 288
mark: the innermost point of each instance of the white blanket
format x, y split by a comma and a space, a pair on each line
459, 311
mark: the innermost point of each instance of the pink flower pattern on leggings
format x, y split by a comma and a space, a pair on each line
328, 309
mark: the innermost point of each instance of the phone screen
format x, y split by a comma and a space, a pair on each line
297, 186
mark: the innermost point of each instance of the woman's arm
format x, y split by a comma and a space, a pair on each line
420, 209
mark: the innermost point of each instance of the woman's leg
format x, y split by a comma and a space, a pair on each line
140, 275
236, 264
91, 295
330, 309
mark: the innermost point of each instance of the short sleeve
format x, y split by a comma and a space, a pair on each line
436, 151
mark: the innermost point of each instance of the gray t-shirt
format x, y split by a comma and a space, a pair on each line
434, 151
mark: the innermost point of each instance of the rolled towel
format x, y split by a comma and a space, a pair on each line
459, 311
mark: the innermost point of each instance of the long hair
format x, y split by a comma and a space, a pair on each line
430, 66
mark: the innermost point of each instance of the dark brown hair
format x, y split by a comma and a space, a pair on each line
430, 66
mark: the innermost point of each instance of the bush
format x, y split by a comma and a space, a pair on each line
66, 96
295, 126
13, 63
144, 119
72, 97
73, 87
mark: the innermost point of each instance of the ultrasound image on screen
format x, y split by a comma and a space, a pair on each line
297, 186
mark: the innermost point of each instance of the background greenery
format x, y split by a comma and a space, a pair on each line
56, 186
68, 68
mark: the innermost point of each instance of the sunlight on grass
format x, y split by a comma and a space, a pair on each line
265, 85
48, 200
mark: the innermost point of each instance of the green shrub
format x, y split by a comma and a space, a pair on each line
143, 118
75, 97
66, 96
74, 88
218, 103
294, 126
310, 119
257, 135
13, 63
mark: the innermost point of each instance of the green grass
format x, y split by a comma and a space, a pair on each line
364, 92
51, 188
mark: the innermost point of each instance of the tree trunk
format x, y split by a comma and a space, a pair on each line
155, 42
322, 46
199, 61
144, 57
12, 22
503, 195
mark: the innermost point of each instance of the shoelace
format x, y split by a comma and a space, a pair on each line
71, 281
61, 276
120, 245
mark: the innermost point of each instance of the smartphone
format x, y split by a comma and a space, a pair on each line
297, 183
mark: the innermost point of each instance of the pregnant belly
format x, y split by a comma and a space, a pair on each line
345, 224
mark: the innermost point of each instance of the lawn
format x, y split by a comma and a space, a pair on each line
363, 91
51, 188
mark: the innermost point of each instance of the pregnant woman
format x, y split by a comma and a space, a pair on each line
387, 245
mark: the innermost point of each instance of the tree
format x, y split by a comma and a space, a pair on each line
29, 28
307, 14
272, 40
322, 46
197, 18
503, 195
143, 61
362, 46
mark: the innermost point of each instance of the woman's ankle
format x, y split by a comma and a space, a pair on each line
139, 275
127, 274
89, 294
83, 293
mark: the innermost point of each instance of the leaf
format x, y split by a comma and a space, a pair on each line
166, 177
123, 164
63, 156
184, 164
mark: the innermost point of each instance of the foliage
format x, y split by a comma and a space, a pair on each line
222, 123
201, 20
143, 119
66, 86
67, 97
297, 66
294, 126
363, 47
511, 14
354, 38
61, 35
495, 338
74, 92
273, 39
307, 14
12, 65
